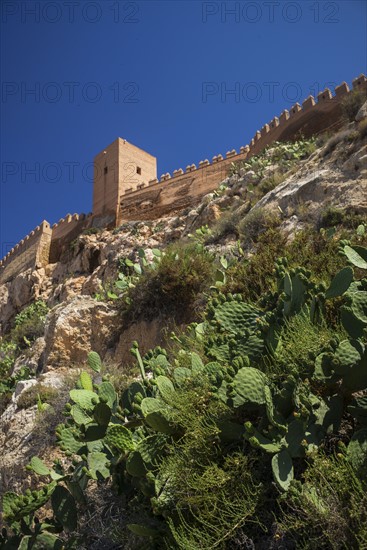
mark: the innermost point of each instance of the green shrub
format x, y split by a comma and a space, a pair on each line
30, 396
362, 129
174, 284
226, 225
254, 277
352, 103
270, 183
256, 222
8, 355
29, 324
92, 231
340, 137
330, 509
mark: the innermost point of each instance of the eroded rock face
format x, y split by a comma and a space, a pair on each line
75, 328
33, 359
362, 113
318, 185
149, 334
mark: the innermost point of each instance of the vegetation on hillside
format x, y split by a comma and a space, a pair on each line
250, 432
28, 325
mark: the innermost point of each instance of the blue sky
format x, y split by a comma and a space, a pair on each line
184, 80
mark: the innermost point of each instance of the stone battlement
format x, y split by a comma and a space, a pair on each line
126, 186
31, 252
311, 118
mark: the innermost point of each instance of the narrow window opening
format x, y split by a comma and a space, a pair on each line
105, 170
138, 170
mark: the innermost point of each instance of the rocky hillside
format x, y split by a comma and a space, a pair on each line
144, 280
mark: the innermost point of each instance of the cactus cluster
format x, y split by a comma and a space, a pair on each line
288, 417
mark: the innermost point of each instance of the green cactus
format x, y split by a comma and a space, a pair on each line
233, 315
357, 255
359, 305
353, 326
38, 466
67, 441
357, 451
340, 283
151, 448
107, 394
16, 506
64, 507
181, 374
282, 467
130, 397
98, 465
248, 388
358, 408
135, 465
86, 399
120, 437
166, 388
94, 361
135, 351
79, 415
86, 381
196, 363
102, 414
157, 415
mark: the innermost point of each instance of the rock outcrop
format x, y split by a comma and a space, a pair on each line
75, 328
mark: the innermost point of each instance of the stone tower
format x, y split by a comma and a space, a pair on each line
118, 169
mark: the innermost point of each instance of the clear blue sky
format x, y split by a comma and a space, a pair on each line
78, 74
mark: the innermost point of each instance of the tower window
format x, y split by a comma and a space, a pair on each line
138, 170
105, 170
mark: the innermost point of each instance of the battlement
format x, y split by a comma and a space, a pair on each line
32, 251
311, 118
126, 186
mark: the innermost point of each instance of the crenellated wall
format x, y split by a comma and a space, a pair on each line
156, 198
42, 246
31, 252
169, 194
65, 231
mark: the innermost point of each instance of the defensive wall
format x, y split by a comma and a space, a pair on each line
185, 188
147, 200
64, 231
42, 246
31, 252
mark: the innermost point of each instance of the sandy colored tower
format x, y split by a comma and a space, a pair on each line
120, 168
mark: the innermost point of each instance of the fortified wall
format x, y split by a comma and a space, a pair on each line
42, 246
31, 252
185, 188
126, 186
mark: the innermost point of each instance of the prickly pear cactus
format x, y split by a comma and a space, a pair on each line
16, 506
94, 361
248, 388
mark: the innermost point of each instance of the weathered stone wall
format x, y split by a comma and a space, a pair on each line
33, 251
186, 188
65, 231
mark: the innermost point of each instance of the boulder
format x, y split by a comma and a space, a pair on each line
76, 327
